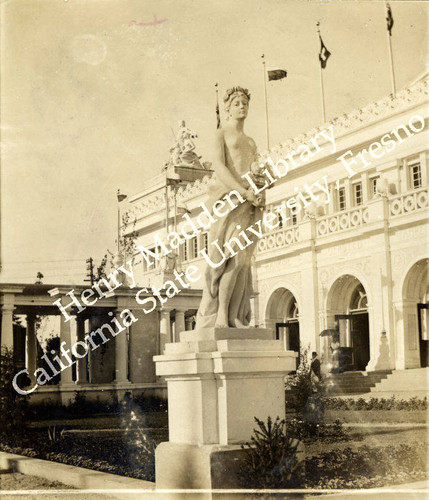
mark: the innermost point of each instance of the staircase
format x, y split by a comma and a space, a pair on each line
353, 382
413, 379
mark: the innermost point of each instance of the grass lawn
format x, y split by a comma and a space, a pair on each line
14, 482
373, 437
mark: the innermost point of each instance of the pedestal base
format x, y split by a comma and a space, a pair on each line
218, 380
186, 466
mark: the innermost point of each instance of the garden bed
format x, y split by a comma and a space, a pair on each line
132, 455
377, 416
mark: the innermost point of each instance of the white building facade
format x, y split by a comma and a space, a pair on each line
352, 261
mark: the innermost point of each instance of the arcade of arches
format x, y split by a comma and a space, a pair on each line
349, 319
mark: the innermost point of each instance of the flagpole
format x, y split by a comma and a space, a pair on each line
217, 107
266, 101
119, 222
321, 81
392, 71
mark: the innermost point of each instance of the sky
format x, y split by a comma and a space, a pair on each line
91, 99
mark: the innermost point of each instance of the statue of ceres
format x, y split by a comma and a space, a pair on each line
228, 288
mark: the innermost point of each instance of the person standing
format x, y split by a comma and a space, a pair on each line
315, 374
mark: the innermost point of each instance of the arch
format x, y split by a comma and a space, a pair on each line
345, 281
347, 310
282, 311
280, 305
415, 284
415, 314
269, 296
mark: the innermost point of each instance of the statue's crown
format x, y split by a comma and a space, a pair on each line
233, 92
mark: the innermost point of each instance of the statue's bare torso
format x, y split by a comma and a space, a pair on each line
240, 153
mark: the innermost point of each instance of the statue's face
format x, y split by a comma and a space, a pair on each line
239, 107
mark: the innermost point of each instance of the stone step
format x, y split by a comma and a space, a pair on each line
402, 380
354, 382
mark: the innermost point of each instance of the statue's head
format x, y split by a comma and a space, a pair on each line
235, 94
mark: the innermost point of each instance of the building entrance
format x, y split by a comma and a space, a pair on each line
423, 316
289, 333
354, 341
349, 349
282, 311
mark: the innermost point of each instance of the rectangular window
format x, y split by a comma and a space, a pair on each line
373, 182
341, 199
357, 189
193, 247
416, 175
204, 241
293, 217
150, 267
185, 251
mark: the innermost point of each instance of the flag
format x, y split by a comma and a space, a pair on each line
218, 125
276, 74
323, 54
389, 20
121, 197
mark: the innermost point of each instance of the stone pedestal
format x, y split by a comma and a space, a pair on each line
218, 380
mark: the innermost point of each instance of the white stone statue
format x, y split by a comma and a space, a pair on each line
381, 187
227, 289
183, 151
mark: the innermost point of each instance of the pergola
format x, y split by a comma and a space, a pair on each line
31, 300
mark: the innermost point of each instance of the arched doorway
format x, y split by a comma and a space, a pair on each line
415, 296
348, 309
283, 313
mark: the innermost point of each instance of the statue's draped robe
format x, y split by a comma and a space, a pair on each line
244, 215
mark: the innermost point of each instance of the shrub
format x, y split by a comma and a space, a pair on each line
366, 467
309, 431
13, 406
309, 405
300, 383
413, 404
151, 403
271, 457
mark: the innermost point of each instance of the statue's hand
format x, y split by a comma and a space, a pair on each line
251, 196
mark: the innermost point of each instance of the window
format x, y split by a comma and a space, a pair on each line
153, 262
373, 182
357, 189
185, 251
341, 198
204, 241
294, 217
193, 243
416, 175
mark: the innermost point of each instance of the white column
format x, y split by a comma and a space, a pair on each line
6, 322
121, 354
65, 336
365, 187
180, 323
332, 199
81, 362
188, 323
165, 330
31, 347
